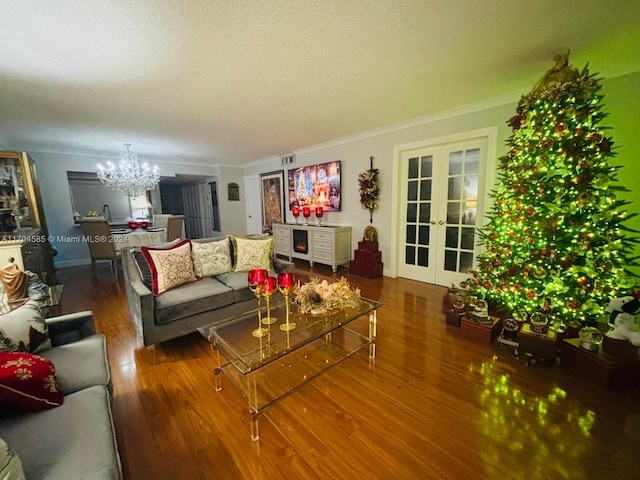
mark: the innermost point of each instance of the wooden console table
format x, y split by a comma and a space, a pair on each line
320, 244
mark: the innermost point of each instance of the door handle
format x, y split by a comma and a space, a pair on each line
433, 222
440, 222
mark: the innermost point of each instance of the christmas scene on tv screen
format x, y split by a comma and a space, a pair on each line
316, 186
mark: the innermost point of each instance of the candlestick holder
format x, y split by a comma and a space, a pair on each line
270, 287
256, 279
295, 211
306, 213
286, 285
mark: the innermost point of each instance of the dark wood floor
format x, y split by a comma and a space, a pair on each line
433, 405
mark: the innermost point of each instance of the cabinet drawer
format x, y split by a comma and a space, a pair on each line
322, 255
281, 234
323, 245
328, 236
282, 244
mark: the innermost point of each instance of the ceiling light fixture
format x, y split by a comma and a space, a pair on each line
129, 176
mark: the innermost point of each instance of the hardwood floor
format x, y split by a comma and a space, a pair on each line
432, 406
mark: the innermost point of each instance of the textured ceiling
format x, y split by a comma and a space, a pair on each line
230, 82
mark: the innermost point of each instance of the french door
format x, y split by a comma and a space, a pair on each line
441, 205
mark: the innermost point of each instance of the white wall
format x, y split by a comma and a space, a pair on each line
354, 153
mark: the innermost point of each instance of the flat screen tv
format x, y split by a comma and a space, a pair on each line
316, 185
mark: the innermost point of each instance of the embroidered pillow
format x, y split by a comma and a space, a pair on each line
10, 464
253, 253
23, 329
170, 267
28, 382
211, 258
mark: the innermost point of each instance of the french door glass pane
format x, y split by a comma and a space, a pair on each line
413, 168
424, 235
450, 260
451, 237
455, 162
412, 212
425, 189
423, 257
410, 255
412, 191
426, 166
466, 262
411, 234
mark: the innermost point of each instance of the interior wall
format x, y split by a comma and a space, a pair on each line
622, 102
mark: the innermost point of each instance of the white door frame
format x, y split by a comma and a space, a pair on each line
490, 133
253, 204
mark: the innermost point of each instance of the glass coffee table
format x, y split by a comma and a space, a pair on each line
266, 369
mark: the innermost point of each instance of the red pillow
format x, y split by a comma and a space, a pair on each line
170, 267
28, 382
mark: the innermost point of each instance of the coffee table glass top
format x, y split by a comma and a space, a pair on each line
233, 338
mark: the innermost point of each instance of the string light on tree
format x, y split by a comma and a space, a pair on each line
554, 243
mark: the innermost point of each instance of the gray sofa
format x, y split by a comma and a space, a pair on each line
182, 310
75, 440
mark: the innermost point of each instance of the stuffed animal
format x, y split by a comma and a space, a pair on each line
622, 319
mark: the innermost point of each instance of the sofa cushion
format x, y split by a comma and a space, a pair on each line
238, 282
252, 253
10, 464
75, 440
81, 364
170, 267
191, 299
28, 382
23, 329
211, 258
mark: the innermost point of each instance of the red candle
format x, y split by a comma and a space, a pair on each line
257, 276
144, 225
306, 211
319, 212
270, 285
295, 210
286, 279
133, 225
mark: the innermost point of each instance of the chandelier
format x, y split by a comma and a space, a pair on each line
129, 176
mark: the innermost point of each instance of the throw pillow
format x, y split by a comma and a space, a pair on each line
23, 329
28, 381
211, 258
170, 267
143, 266
253, 253
10, 464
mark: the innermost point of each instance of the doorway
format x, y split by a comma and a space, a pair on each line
440, 205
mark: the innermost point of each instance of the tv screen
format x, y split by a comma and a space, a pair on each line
316, 185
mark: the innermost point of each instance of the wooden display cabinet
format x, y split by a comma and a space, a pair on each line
24, 237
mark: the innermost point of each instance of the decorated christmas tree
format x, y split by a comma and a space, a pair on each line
555, 241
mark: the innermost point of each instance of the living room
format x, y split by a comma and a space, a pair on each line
382, 421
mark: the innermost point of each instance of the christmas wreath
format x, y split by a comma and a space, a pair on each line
369, 189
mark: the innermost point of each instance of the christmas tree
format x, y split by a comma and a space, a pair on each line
555, 241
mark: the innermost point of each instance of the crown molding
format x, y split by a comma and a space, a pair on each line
416, 122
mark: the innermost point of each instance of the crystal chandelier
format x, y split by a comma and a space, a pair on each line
129, 176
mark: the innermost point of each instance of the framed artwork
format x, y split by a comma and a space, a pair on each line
272, 195
315, 186
234, 191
